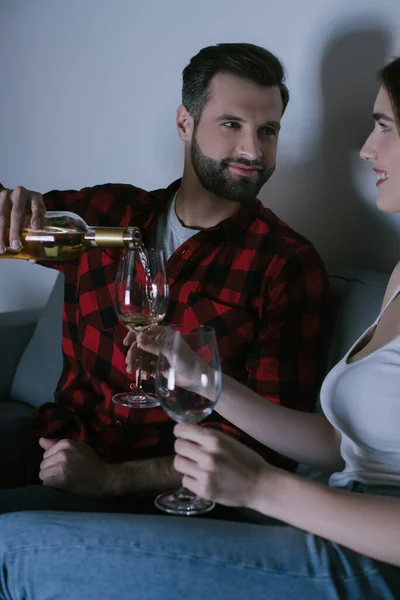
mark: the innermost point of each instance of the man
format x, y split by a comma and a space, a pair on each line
231, 264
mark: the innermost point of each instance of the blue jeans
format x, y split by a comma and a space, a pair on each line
61, 555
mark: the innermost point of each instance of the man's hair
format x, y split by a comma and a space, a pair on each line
243, 60
389, 76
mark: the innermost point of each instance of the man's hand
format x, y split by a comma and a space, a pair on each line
74, 467
188, 365
15, 206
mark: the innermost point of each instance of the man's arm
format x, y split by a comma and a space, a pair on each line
286, 360
143, 477
76, 468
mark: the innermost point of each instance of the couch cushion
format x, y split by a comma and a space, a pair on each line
357, 301
40, 366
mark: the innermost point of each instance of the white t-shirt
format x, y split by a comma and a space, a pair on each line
362, 400
170, 233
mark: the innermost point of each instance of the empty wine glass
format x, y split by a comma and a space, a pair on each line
188, 388
140, 300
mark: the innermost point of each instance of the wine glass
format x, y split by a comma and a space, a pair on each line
188, 388
140, 300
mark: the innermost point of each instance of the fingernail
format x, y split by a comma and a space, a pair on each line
2, 249
128, 368
36, 223
15, 245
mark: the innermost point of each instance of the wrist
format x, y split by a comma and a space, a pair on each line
113, 480
269, 492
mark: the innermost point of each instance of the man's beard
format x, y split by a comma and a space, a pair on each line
215, 177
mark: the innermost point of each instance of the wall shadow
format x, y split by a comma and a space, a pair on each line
318, 195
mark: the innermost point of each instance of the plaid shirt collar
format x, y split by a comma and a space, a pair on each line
232, 226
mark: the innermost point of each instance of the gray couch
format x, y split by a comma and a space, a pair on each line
30, 328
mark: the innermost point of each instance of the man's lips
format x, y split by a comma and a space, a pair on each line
244, 169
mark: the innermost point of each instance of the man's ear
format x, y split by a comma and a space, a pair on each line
184, 123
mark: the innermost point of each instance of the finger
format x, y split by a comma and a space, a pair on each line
131, 358
5, 209
61, 445
206, 461
189, 449
59, 458
19, 198
55, 481
149, 368
186, 466
48, 472
47, 443
129, 339
193, 484
54, 472
148, 362
38, 210
148, 344
211, 440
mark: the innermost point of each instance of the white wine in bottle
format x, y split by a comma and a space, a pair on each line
66, 236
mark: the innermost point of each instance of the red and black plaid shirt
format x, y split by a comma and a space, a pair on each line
262, 287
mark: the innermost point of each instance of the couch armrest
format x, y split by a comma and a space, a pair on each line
16, 330
40, 365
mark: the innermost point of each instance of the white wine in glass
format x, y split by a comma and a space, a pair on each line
140, 299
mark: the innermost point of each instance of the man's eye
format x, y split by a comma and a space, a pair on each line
232, 125
268, 131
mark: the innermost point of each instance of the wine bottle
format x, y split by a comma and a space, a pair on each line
66, 236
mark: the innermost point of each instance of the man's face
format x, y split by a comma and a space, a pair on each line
233, 146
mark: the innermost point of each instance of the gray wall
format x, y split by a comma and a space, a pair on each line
89, 90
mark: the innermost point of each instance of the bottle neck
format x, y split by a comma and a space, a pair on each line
112, 237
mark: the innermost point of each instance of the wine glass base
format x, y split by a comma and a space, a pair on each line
138, 400
183, 503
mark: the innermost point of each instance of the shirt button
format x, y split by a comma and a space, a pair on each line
118, 423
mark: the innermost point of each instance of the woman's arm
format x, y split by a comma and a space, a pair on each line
217, 467
366, 524
304, 437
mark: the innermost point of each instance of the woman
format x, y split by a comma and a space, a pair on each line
342, 540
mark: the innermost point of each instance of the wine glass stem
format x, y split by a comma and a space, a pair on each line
184, 492
139, 369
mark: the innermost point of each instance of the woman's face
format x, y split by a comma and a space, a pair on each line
382, 149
